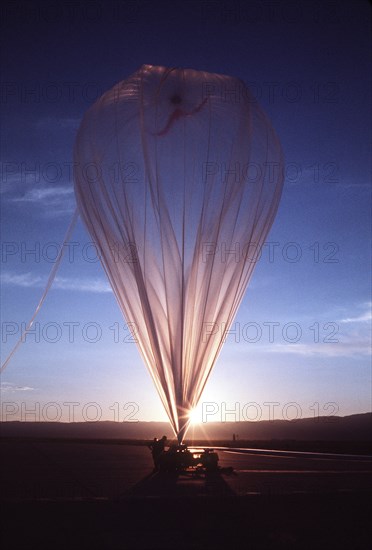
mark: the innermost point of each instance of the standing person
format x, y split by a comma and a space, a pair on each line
157, 448
161, 444
152, 448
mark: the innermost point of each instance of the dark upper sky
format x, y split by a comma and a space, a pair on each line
305, 61
308, 63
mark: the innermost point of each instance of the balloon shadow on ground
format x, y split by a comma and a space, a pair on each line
178, 484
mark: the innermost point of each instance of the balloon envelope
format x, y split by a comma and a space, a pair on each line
178, 176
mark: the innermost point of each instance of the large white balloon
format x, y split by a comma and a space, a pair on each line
178, 176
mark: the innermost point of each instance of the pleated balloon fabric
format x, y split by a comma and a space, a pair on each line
178, 177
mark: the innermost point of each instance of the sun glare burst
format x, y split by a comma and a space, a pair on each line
194, 417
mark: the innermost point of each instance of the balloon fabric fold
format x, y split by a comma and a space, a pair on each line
178, 176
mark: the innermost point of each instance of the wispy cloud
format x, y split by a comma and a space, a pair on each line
343, 348
8, 387
68, 123
28, 280
83, 285
19, 188
351, 338
45, 194
53, 201
364, 315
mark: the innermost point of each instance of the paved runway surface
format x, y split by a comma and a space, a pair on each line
67, 496
43, 470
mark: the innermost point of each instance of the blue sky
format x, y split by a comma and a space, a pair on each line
302, 334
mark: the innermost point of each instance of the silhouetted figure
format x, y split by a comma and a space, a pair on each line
157, 448
162, 443
152, 447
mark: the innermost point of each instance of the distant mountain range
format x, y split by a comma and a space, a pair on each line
357, 427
